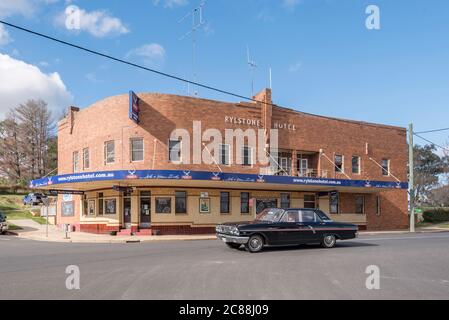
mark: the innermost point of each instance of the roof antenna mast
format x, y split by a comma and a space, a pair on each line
197, 22
252, 66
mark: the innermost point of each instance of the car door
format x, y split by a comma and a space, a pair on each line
290, 228
310, 223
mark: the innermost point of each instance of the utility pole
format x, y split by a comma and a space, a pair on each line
411, 180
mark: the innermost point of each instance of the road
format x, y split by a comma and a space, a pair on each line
411, 267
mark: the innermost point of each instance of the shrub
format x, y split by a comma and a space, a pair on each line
436, 215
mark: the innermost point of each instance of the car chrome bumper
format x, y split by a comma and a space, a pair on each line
232, 239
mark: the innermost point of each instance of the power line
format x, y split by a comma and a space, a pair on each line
431, 131
167, 75
431, 142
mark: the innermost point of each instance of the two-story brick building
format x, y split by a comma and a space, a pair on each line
122, 171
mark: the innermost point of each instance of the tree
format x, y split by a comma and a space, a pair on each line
28, 147
429, 167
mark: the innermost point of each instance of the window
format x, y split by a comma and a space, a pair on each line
136, 149
309, 201
378, 206
359, 204
68, 209
174, 150
291, 216
307, 216
356, 164
339, 163
285, 200
163, 205
86, 159
224, 202
247, 157
109, 152
91, 208
244, 202
100, 203
110, 206
76, 161
385, 167
334, 202
181, 202
145, 203
224, 154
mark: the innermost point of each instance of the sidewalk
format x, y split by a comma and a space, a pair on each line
33, 231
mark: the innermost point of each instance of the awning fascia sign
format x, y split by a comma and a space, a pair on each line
211, 176
65, 192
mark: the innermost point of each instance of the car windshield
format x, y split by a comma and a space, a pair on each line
322, 215
270, 215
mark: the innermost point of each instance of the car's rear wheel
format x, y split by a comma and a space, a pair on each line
233, 245
255, 244
329, 241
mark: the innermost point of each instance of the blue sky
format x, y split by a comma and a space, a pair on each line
324, 59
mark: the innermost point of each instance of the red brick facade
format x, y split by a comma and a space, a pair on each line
108, 120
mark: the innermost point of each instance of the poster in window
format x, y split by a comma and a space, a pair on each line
68, 209
91, 207
110, 206
205, 205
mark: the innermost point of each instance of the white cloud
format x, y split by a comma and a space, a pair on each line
290, 4
99, 23
152, 54
295, 67
4, 36
20, 81
21, 7
171, 3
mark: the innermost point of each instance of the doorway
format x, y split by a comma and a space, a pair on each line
145, 209
127, 210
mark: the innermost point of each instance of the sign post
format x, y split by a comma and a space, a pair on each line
411, 168
46, 202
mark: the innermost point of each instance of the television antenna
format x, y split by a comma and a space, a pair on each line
253, 67
197, 22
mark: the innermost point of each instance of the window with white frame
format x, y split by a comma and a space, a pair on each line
86, 158
76, 161
174, 150
109, 152
339, 163
247, 156
136, 149
224, 154
385, 167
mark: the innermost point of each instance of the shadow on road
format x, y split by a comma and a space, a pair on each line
340, 245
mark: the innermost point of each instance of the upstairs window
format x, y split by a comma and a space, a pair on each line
109, 152
174, 151
356, 164
385, 167
136, 149
247, 156
76, 161
86, 159
224, 154
339, 159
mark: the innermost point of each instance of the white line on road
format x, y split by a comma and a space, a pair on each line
405, 238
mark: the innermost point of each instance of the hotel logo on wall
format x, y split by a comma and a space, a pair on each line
134, 107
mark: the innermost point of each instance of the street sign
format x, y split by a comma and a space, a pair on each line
134, 107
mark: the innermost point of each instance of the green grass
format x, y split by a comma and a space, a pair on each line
12, 227
12, 207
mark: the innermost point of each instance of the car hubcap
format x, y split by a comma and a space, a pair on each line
255, 243
329, 240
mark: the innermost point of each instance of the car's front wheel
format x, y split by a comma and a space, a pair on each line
233, 245
329, 241
255, 244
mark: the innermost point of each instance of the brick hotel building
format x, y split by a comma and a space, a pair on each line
116, 172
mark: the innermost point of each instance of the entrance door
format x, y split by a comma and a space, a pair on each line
145, 209
262, 204
127, 212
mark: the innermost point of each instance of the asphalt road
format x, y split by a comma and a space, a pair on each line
411, 267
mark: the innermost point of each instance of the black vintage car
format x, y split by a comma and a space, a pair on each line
279, 227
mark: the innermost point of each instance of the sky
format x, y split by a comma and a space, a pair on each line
324, 59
